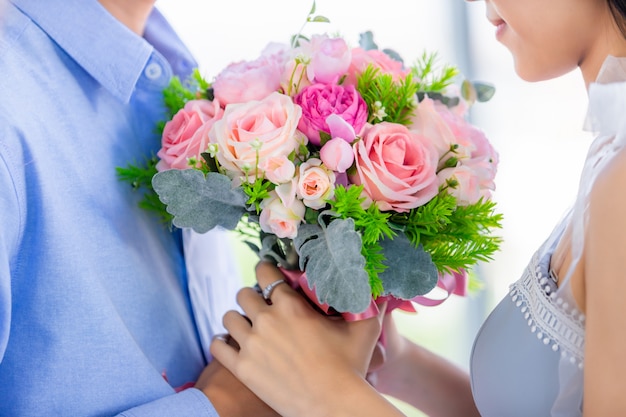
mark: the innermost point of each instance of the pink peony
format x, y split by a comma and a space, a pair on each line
243, 81
329, 58
318, 101
249, 133
362, 58
396, 166
186, 135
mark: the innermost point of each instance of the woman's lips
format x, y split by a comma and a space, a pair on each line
500, 27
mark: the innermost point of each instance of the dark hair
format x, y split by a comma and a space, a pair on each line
618, 9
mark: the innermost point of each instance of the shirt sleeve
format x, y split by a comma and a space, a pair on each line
190, 402
9, 232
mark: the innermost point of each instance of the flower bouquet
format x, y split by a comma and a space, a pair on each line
342, 163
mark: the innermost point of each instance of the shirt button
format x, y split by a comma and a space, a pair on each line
153, 71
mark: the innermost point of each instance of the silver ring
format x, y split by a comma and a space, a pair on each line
267, 292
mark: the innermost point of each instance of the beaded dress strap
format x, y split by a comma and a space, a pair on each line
555, 319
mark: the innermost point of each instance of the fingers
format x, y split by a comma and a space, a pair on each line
266, 274
237, 326
224, 353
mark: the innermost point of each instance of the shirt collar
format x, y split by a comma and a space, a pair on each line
109, 51
613, 70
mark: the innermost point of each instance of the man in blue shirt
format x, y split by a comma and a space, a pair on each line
95, 314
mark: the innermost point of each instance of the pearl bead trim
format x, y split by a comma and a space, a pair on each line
553, 319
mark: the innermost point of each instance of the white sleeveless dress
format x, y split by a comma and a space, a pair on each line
528, 357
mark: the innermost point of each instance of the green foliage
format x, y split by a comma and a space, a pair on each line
139, 176
178, 92
456, 237
388, 100
310, 18
374, 266
371, 223
430, 76
257, 191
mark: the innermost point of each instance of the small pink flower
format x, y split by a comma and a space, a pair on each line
318, 101
278, 169
244, 81
186, 135
316, 183
279, 219
337, 154
396, 166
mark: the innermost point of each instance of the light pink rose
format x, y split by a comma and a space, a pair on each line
329, 58
278, 169
361, 58
463, 183
396, 166
318, 101
186, 135
474, 149
428, 122
316, 183
280, 219
249, 133
244, 81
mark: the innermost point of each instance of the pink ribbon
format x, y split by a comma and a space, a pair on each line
454, 283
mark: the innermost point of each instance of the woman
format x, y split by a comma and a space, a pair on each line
556, 340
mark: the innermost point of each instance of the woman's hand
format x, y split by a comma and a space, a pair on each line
297, 360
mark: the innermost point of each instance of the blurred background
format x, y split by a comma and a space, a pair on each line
536, 127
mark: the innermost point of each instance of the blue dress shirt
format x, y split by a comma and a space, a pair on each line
94, 308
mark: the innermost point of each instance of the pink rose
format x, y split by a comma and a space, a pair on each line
318, 101
316, 184
329, 58
249, 133
396, 166
474, 149
463, 183
186, 135
429, 122
244, 81
279, 219
362, 58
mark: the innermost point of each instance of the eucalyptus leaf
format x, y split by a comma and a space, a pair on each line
484, 91
200, 202
334, 266
366, 41
393, 55
410, 271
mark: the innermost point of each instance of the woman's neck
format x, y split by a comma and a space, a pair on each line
132, 13
610, 41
